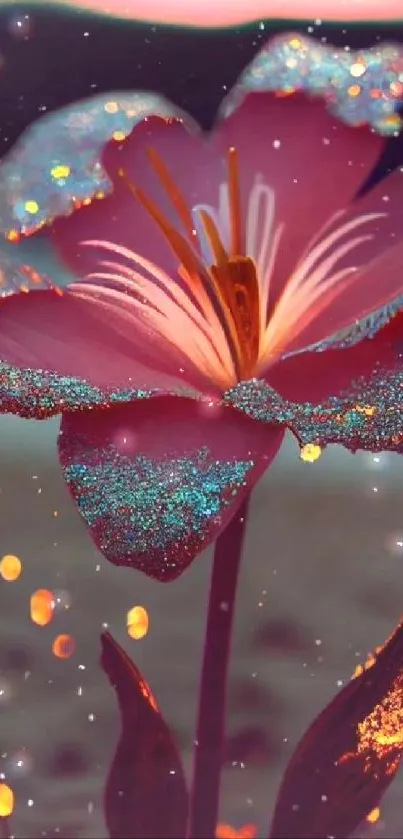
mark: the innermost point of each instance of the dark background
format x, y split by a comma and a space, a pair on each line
51, 57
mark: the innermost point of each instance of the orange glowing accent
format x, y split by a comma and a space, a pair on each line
111, 107
310, 452
368, 410
63, 646
119, 136
354, 90
138, 622
6, 801
10, 568
226, 831
369, 662
396, 88
380, 734
13, 236
42, 606
374, 816
146, 691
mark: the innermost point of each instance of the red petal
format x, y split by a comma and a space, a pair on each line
378, 262
299, 172
146, 795
313, 162
54, 335
156, 481
120, 218
348, 757
317, 376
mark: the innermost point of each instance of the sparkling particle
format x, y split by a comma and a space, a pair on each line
21, 27
63, 646
31, 207
6, 800
60, 172
19, 764
373, 816
137, 622
42, 604
10, 568
310, 452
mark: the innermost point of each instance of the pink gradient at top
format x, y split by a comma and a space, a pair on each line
210, 13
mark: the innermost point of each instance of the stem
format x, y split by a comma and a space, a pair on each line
212, 697
5, 829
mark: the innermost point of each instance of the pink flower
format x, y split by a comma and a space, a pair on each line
208, 286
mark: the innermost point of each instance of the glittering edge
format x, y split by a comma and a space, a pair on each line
56, 165
41, 394
367, 416
360, 87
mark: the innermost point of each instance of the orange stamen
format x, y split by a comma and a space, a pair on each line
217, 247
177, 242
173, 192
232, 280
234, 203
239, 285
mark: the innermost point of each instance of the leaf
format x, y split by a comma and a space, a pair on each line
349, 755
146, 794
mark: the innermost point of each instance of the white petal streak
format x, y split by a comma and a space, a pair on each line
314, 285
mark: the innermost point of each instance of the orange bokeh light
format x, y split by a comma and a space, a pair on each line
6, 801
225, 831
138, 622
10, 568
42, 606
63, 646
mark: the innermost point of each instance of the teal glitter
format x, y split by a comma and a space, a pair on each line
293, 62
151, 515
366, 328
368, 416
72, 140
40, 394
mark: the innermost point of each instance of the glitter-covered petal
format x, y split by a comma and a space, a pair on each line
158, 480
313, 163
353, 397
60, 352
56, 164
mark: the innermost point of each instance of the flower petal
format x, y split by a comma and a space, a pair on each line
353, 397
120, 218
298, 171
314, 164
156, 481
59, 351
146, 770
56, 164
365, 298
349, 755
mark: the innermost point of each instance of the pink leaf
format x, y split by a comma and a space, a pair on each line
146, 795
349, 755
